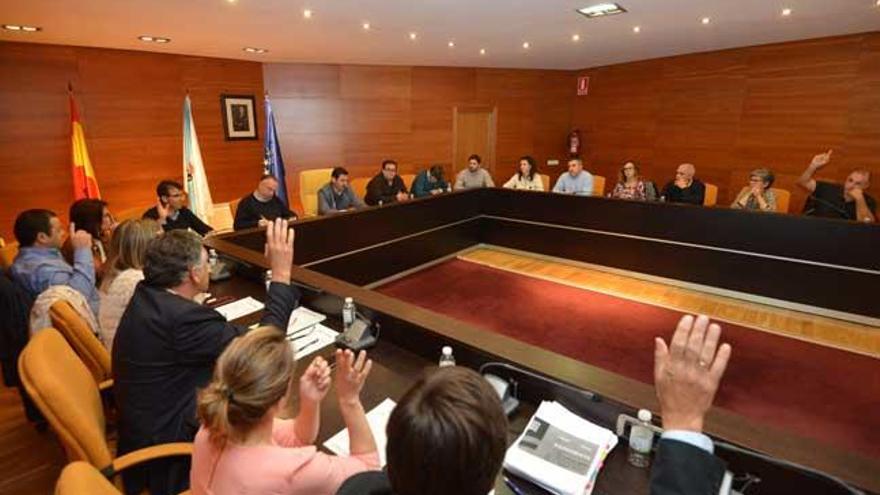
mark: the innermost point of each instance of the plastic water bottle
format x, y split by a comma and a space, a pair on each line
212, 258
348, 312
446, 358
268, 279
641, 439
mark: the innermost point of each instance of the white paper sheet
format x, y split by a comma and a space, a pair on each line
237, 309
314, 339
378, 419
302, 318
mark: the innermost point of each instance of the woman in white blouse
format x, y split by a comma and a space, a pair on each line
527, 177
124, 271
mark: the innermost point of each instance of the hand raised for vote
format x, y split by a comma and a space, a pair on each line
687, 374
315, 381
351, 373
163, 211
821, 159
79, 238
279, 250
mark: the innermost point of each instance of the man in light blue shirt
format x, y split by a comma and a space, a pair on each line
39, 264
577, 181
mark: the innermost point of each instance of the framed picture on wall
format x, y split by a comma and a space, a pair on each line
239, 116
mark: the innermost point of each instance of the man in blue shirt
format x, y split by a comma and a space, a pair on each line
39, 264
577, 181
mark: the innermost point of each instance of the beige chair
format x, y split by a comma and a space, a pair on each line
8, 252
90, 350
81, 477
545, 179
233, 206
408, 180
309, 183
598, 185
783, 199
711, 197
65, 392
359, 186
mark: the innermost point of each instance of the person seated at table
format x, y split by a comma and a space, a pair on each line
386, 187
429, 182
687, 373
93, 216
337, 196
685, 188
261, 207
577, 181
166, 345
124, 270
631, 185
757, 195
171, 211
39, 263
451, 420
849, 202
526, 177
243, 445
474, 175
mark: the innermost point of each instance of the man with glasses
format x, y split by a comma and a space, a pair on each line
685, 188
386, 187
171, 211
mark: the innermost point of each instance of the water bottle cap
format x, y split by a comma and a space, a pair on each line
644, 415
447, 351
349, 300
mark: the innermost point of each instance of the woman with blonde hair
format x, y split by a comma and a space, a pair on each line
123, 271
244, 446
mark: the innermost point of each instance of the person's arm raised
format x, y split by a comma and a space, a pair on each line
351, 373
806, 179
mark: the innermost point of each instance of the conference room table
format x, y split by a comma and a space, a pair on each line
344, 255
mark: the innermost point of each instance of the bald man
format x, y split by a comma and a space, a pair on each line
685, 188
849, 201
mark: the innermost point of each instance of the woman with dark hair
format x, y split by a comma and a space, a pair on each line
757, 195
631, 185
92, 216
527, 177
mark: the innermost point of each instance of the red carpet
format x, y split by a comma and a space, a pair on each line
813, 391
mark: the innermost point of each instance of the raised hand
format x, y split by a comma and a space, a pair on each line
821, 159
315, 381
279, 250
79, 238
351, 373
163, 211
687, 374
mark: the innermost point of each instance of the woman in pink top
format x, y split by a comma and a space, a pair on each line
243, 447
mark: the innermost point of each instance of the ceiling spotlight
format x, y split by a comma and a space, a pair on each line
526, 45
366, 26
307, 14
451, 44
601, 10
786, 12
161, 40
251, 49
154, 39
705, 20
877, 3
145, 38
637, 29
17, 27
482, 51
575, 37
413, 36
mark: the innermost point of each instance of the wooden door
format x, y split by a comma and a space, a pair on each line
474, 133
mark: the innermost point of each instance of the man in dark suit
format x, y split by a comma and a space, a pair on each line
167, 343
686, 376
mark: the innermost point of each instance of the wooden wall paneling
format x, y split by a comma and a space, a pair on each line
301, 81
863, 130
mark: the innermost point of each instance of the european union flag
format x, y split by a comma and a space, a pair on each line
273, 163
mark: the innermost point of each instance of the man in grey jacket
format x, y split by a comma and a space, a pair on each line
336, 196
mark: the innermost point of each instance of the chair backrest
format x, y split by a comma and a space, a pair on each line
408, 180
8, 252
65, 392
80, 477
545, 179
783, 199
233, 206
130, 213
598, 185
359, 186
309, 183
711, 197
90, 350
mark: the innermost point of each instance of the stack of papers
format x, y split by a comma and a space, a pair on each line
378, 420
560, 451
302, 318
314, 338
237, 309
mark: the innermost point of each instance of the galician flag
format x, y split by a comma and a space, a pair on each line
195, 181
273, 163
85, 185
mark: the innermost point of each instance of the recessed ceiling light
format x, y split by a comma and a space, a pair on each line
18, 27
307, 14
451, 44
366, 26
877, 3
786, 12
482, 51
526, 45
575, 37
637, 29
251, 49
601, 10
705, 20
154, 39
413, 35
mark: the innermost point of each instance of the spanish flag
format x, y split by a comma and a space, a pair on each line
85, 185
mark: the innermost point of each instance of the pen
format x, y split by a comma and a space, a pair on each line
513, 486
